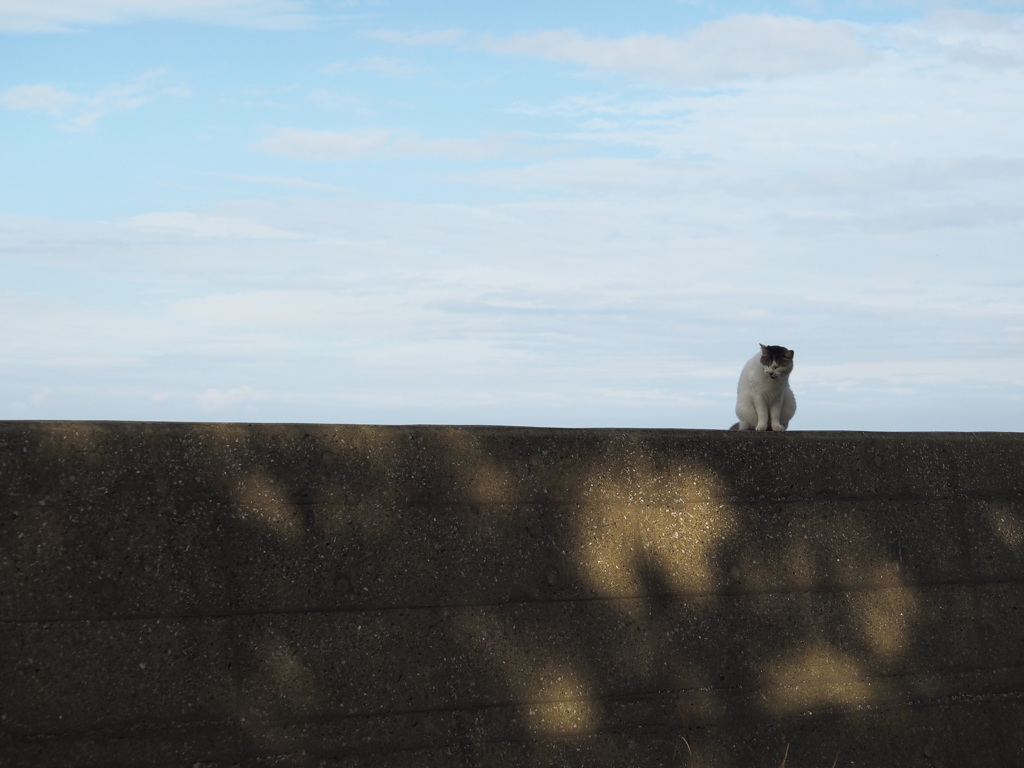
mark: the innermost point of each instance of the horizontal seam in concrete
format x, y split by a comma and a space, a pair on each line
117, 730
727, 592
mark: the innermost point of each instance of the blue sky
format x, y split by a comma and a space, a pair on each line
553, 214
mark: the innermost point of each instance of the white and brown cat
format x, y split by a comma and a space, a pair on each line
764, 401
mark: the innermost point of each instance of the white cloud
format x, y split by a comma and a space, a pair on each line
973, 38
79, 113
746, 48
42, 97
905, 107
65, 15
733, 49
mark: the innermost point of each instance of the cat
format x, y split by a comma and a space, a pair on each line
764, 400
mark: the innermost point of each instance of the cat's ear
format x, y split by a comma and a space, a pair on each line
764, 350
789, 354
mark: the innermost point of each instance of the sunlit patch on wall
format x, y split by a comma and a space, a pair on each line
820, 676
557, 698
661, 519
560, 702
886, 616
606, 545
682, 541
1008, 527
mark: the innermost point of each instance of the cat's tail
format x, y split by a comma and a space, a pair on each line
735, 427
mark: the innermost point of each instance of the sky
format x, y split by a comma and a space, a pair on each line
545, 214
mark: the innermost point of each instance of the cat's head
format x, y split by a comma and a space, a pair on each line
777, 361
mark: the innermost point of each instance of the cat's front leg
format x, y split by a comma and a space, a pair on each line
762, 414
776, 418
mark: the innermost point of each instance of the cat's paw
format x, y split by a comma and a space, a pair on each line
778, 428
761, 428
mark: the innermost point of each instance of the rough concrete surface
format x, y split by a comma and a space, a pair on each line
302, 595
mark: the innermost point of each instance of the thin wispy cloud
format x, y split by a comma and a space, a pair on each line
34, 16
738, 48
41, 97
964, 37
80, 112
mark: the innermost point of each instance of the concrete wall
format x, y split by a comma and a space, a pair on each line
214, 595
